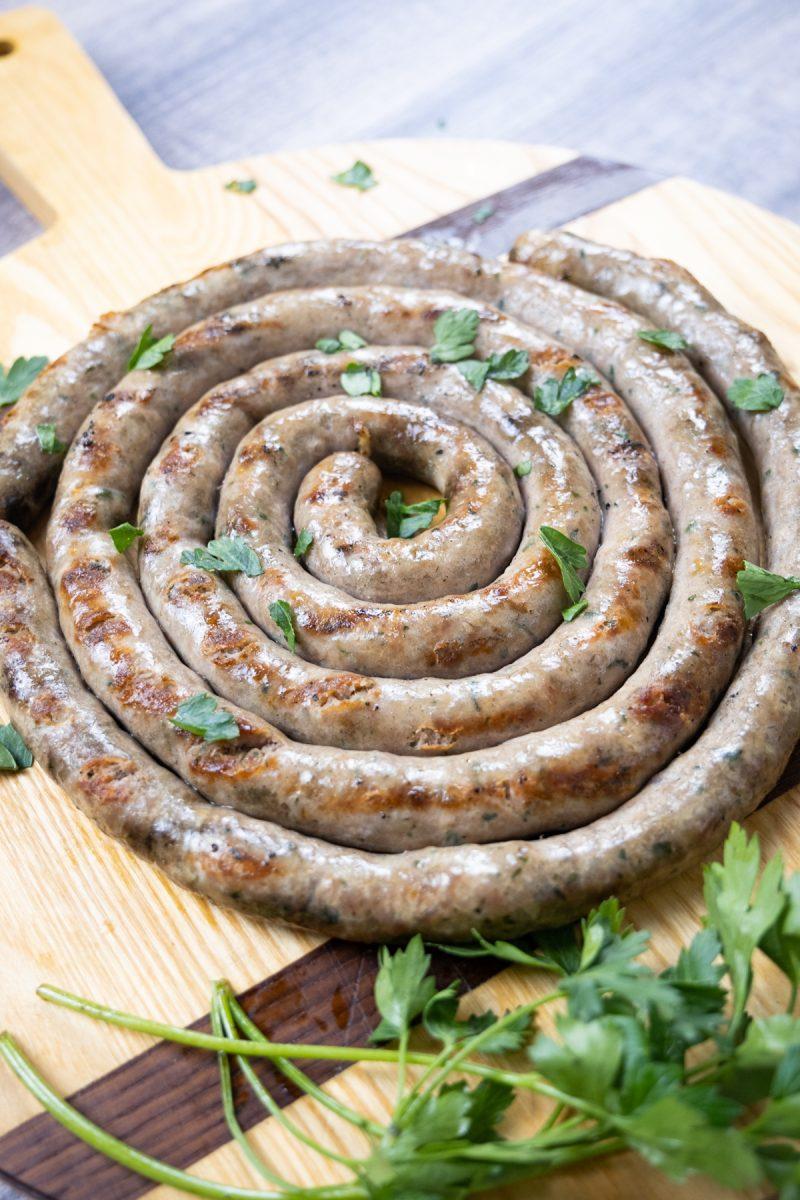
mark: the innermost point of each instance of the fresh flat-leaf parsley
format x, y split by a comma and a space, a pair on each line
658, 1063
151, 352
346, 340
404, 520
19, 376
665, 339
454, 335
123, 536
225, 554
244, 186
48, 440
358, 176
14, 754
571, 558
756, 395
555, 395
304, 539
202, 716
358, 380
283, 615
511, 364
760, 588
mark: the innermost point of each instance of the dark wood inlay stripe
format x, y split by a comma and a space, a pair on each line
165, 1101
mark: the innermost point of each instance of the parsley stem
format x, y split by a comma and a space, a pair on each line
229, 1105
151, 1168
264, 1096
792, 996
298, 1077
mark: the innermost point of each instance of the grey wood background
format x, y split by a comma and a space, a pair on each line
707, 88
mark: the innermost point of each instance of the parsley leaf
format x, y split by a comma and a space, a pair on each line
455, 332
760, 588
124, 535
665, 339
403, 988
404, 520
245, 186
556, 395
347, 340
522, 469
585, 1062
14, 754
283, 616
440, 1021
358, 380
225, 554
48, 441
677, 1138
151, 353
740, 912
358, 176
304, 539
201, 716
756, 395
20, 375
575, 610
781, 942
511, 364
571, 558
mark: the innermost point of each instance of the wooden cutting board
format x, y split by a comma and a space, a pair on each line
76, 909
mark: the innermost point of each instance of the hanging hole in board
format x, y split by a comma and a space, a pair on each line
6, 47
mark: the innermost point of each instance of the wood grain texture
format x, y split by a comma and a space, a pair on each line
75, 909
706, 89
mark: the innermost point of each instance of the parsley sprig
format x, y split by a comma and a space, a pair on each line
19, 376
150, 351
666, 1063
554, 396
225, 554
571, 558
404, 520
759, 588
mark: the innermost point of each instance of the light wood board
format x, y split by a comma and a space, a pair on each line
76, 910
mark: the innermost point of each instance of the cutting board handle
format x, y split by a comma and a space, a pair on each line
66, 143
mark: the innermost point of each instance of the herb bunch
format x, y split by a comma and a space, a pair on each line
669, 1064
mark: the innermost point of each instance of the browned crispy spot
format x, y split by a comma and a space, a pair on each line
670, 704
718, 446
180, 459
145, 692
725, 631
78, 516
730, 506
101, 777
652, 556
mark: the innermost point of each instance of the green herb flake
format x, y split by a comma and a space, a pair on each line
665, 339
756, 395
304, 539
571, 558
522, 469
511, 364
358, 176
243, 186
454, 335
14, 754
404, 520
347, 340
20, 375
759, 588
556, 395
358, 380
482, 213
225, 554
123, 536
201, 716
48, 441
151, 352
283, 616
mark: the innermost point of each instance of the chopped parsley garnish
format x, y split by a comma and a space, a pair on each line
19, 376
665, 339
151, 352
404, 520
225, 554
760, 588
123, 536
48, 441
522, 469
304, 539
756, 395
571, 558
358, 380
244, 186
14, 754
454, 335
511, 364
201, 716
283, 616
347, 340
556, 395
482, 213
358, 176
